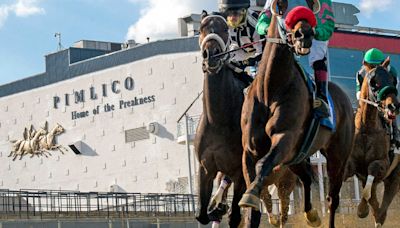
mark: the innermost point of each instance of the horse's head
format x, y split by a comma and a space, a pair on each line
58, 129
382, 88
213, 39
40, 132
300, 23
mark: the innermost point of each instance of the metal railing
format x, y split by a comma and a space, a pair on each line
56, 204
193, 121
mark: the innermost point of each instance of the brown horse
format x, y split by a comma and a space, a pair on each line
218, 137
279, 106
370, 159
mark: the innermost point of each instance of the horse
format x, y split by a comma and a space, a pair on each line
370, 159
218, 135
46, 142
27, 146
279, 106
218, 144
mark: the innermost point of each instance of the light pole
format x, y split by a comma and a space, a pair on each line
189, 160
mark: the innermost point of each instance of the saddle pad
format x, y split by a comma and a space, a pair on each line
309, 80
330, 122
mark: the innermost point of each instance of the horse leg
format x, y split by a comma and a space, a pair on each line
252, 218
218, 206
266, 197
363, 207
234, 214
59, 148
11, 153
373, 201
205, 185
305, 173
284, 190
222, 191
280, 153
392, 184
336, 167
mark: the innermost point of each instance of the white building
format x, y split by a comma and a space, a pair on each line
106, 104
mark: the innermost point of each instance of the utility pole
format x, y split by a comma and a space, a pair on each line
58, 35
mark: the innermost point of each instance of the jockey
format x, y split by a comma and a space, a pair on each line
242, 21
372, 58
317, 57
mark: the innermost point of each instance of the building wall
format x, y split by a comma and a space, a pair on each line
144, 166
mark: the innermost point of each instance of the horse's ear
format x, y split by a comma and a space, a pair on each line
46, 126
386, 63
203, 14
26, 136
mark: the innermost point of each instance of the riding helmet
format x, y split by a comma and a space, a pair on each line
374, 56
225, 5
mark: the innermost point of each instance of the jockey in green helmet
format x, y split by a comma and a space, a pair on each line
372, 58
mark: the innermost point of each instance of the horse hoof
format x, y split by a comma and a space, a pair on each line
203, 219
362, 209
217, 212
274, 220
312, 218
250, 200
378, 225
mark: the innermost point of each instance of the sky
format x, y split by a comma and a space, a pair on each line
28, 27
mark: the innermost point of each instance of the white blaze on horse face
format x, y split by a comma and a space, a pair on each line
213, 36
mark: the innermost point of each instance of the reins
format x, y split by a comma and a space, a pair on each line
271, 40
376, 105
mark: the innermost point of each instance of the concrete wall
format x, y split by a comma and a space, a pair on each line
143, 166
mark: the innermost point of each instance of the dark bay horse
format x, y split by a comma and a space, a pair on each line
279, 106
370, 160
218, 138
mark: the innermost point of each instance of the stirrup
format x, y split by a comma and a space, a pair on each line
321, 108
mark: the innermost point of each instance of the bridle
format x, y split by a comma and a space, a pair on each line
375, 96
222, 44
286, 37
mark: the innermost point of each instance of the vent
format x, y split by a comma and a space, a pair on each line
136, 134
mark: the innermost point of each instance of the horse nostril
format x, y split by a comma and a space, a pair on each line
205, 54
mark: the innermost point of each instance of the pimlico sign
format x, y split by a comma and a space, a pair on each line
94, 93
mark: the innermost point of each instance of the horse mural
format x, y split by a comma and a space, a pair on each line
370, 160
47, 142
39, 142
218, 138
26, 146
279, 106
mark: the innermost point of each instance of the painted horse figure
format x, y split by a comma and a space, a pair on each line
218, 138
279, 106
370, 160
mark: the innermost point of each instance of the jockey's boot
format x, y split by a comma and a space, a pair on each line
251, 198
321, 106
